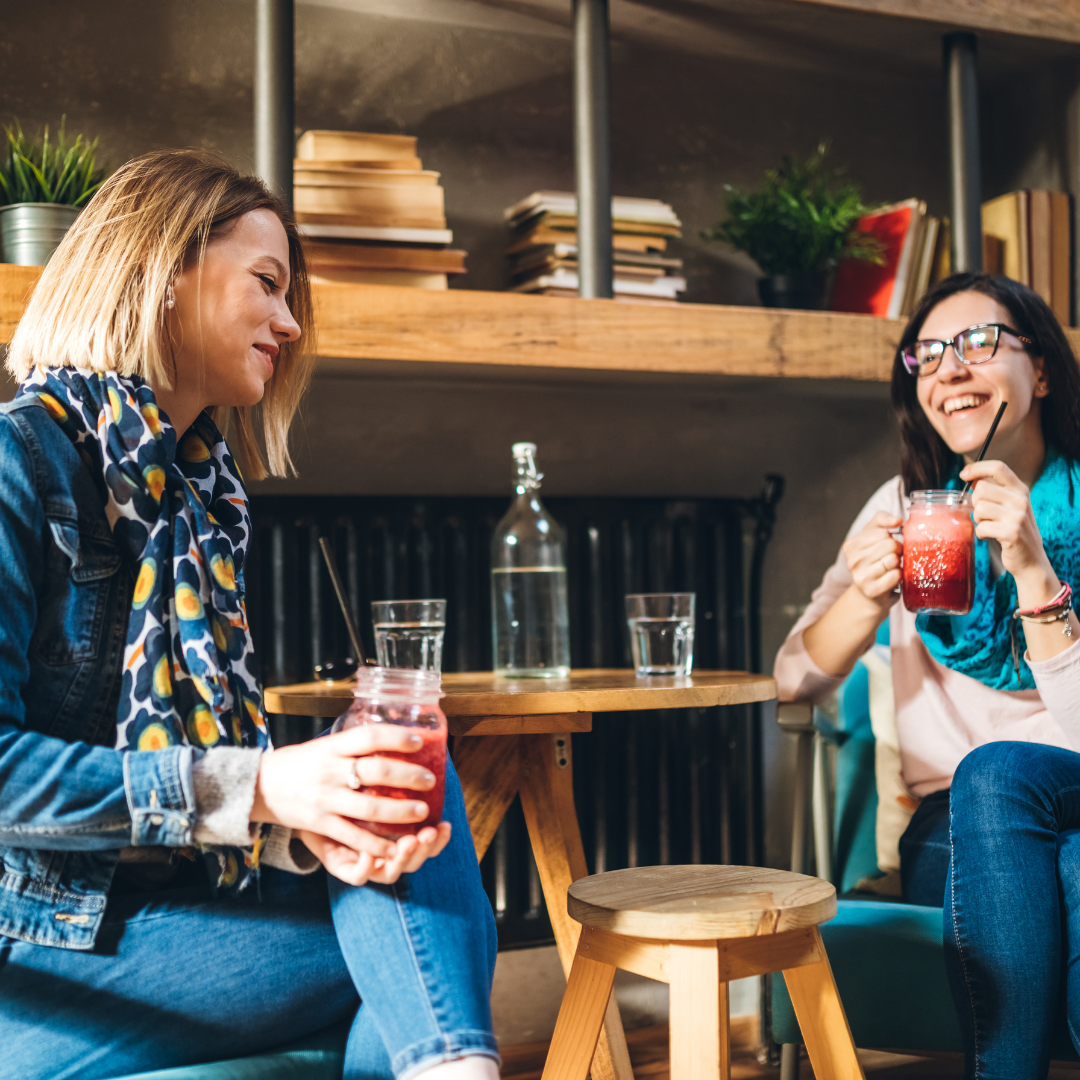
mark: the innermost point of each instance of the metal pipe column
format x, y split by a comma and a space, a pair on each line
592, 147
274, 94
962, 84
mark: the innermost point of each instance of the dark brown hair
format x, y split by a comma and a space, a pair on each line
925, 460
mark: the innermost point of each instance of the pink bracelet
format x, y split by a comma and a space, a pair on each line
1063, 599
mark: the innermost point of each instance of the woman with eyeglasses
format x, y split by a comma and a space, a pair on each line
986, 735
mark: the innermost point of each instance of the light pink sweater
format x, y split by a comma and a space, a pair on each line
940, 714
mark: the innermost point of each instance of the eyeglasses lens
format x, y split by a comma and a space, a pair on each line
923, 357
978, 344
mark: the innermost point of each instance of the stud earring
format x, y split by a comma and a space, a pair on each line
170, 297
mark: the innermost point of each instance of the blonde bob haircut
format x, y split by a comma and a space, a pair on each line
101, 301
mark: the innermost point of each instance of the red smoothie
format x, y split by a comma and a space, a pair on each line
431, 755
939, 559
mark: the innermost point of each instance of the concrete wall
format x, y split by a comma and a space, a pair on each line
486, 88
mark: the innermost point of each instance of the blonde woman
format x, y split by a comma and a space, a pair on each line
172, 890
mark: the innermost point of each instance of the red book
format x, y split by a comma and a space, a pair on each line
869, 289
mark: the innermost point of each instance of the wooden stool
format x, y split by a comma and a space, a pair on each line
697, 928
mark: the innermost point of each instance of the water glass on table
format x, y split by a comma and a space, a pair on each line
409, 633
661, 632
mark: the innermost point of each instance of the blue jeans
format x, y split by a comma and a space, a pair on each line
1012, 905
178, 977
924, 852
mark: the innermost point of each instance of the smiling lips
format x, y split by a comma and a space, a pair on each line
964, 401
269, 351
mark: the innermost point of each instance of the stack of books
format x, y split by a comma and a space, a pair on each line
543, 247
911, 248
370, 213
1026, 237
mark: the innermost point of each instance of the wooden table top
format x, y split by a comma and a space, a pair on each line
481, 693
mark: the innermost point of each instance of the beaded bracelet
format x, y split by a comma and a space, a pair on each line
1057, 610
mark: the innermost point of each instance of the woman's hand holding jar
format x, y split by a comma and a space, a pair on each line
873, 557
848, 629
308, 787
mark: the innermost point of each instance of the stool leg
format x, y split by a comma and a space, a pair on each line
699, 1012
822, 1020
581, 1015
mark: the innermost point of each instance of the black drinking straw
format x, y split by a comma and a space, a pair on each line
335, 578
986, 445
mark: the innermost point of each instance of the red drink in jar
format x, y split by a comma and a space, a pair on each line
939, 553
409, 698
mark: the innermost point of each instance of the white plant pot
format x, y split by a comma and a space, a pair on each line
30, 232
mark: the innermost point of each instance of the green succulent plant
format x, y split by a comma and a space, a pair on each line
42, 171
801, 221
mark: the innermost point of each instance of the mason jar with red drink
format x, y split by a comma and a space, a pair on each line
939, 553
409, 698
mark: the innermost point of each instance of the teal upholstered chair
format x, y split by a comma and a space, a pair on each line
886, 956
318, 1057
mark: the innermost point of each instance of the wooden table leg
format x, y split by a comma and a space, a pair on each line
547, 798
488, 768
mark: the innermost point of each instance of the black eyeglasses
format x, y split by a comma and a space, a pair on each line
975, 345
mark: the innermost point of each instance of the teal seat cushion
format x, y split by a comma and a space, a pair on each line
890, 970
318, 1057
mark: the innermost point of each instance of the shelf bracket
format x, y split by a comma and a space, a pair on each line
274, 96
962, 86
592, 147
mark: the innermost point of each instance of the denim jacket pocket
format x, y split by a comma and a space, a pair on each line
78, 567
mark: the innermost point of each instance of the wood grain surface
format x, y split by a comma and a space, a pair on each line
546, 789
700, 902
475, 694
822, 1020
386, 322
1058, 20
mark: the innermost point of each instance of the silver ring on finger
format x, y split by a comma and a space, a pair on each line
884, 568
354, 777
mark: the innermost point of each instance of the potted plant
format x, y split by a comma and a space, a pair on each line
43, 185
796, 227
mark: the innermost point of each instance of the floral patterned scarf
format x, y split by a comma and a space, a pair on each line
180, 518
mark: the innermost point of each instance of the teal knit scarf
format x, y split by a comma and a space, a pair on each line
978, 644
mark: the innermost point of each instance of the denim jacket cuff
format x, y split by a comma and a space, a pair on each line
160, 795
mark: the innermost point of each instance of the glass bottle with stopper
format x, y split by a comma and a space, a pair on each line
530, 620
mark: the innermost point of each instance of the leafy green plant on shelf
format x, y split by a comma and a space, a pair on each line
797, 226
41, 170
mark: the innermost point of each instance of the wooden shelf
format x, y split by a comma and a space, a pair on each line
381, 322
1049, 19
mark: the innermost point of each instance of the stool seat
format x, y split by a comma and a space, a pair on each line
697, 928
694, 903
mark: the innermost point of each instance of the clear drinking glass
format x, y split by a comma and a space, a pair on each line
409, 699
661, 632
409, 633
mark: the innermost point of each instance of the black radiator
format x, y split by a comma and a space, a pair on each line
661, 787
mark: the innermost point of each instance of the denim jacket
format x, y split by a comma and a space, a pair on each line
69, 801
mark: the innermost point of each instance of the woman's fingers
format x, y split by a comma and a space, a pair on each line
429, 842
387, 772
995, 471
359, 867
883, 549
363, 806
352, 867
371, 738
348, 833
